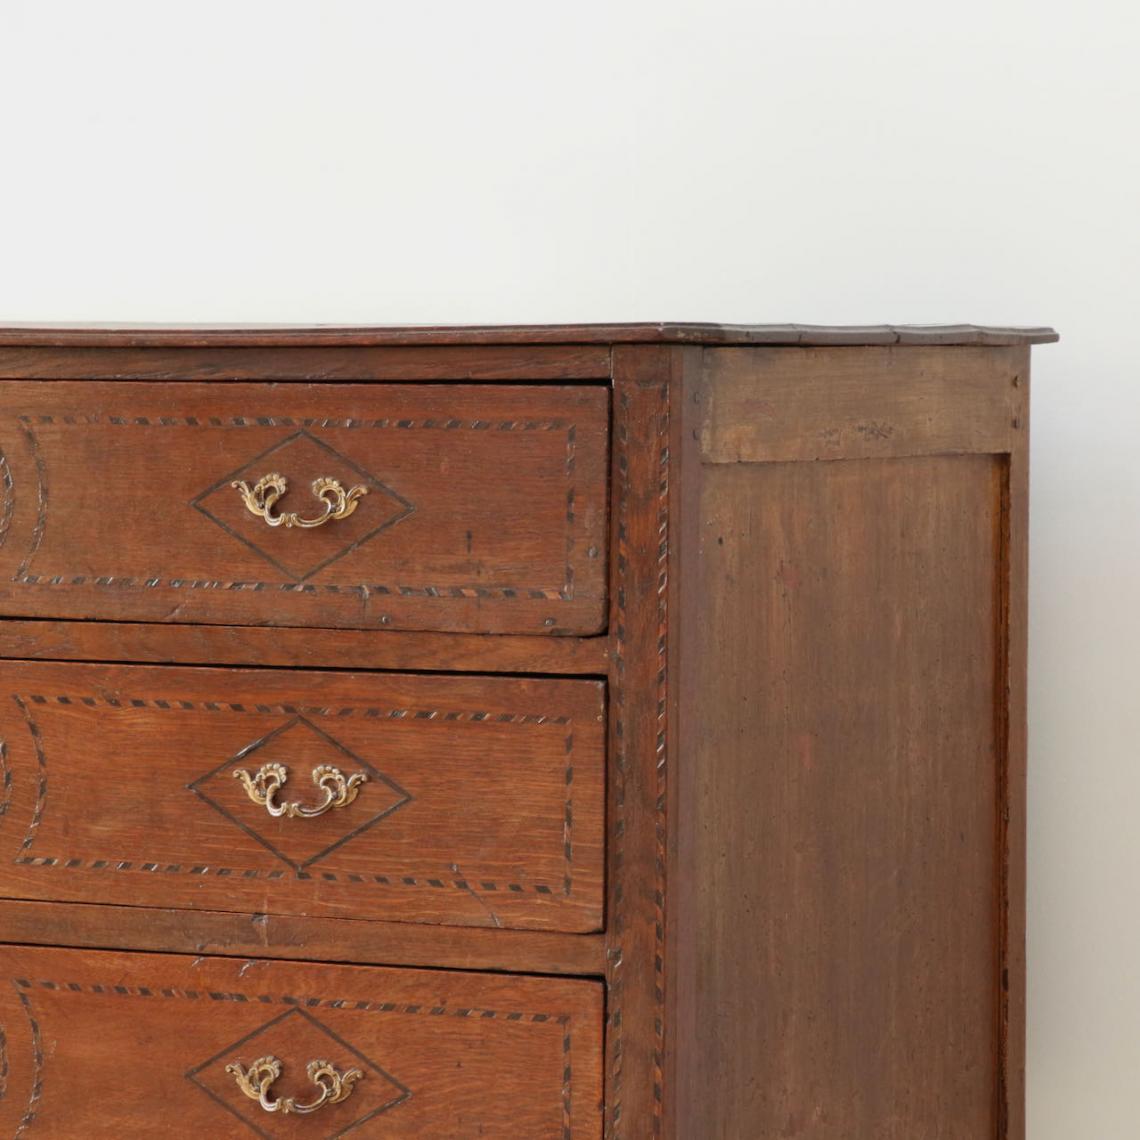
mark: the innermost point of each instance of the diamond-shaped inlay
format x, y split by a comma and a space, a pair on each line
301, 747
295, 1038
299, 553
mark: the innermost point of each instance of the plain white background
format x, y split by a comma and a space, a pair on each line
772, 161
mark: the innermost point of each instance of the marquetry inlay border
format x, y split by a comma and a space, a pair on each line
26, 988
565, 592
639, 683
470, 884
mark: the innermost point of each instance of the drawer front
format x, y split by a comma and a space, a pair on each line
108, 1045
469, 508
452, 800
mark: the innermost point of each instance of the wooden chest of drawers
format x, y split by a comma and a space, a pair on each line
532, 733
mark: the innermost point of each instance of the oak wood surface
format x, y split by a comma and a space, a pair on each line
694, 332
842, 683
490, 363
113, 1046
814, 785
645, 380
1012, 734
484, 800
172, 930
681, 999
762, 405
118, 505
400, 650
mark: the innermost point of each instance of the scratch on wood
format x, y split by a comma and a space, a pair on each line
464, 885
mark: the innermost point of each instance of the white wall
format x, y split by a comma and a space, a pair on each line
798, 160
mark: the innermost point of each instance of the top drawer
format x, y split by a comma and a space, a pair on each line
469, 508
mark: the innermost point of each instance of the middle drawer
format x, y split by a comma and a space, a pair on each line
466, 800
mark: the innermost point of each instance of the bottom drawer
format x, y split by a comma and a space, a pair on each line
99, 1044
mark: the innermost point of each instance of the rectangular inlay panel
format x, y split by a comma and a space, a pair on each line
481, 803
483, 507
112, 1046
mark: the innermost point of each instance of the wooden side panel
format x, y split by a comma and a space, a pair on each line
483, 508
111, 1046
846, 804
845, 767
482, 802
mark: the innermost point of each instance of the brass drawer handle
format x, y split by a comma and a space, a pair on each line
262, 787
257, 1080
261, 498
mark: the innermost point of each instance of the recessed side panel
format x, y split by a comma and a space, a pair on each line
843, 751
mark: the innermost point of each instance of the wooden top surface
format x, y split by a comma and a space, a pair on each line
681, 332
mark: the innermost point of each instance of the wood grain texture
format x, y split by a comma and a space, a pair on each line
399, 650
526, 363
1012, 733
683, 1099
839, 691
644, 380
106, 1046
100, 926
118, 505
484, 800
666, 332
832, 403
804, 807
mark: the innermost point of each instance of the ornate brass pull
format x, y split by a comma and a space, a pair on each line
257, 1080
262, 787
261, 498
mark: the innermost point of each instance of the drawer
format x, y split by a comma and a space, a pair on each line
472, 801
115, 1046
469, 508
